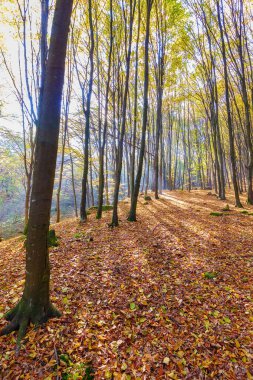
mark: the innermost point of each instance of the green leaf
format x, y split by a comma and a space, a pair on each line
207, 324
108, 374
210, 275
132, 306
65, 300
164, 289
124, 366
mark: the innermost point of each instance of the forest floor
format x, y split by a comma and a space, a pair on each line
167, 297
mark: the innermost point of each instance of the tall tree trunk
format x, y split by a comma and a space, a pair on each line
73, 179
35, 305
229, 118
132, 174
132, 213
64, 138
83, 214
102, 149
115, 221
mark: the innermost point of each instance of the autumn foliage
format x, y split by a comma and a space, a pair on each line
168, 297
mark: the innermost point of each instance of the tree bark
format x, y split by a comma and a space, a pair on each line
230, 126
132, 213
83, 214
35, 305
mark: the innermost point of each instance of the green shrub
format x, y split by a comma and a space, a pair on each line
226, 208
147, 198
104, 208
244, 212
107, 208
78, 235
52, 239
216, 213
210, 275
92, 208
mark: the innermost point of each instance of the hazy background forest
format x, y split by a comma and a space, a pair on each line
199, 130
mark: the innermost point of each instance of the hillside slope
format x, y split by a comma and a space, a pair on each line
167, 297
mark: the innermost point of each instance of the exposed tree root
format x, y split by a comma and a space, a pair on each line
131, 218
23, 314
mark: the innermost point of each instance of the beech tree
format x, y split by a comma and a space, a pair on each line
35, 305
132, 213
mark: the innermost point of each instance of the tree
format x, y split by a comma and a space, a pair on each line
103, 142
132, 213
220, 13
119, 158
35, 305
87, 111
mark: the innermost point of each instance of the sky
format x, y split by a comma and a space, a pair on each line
10, 45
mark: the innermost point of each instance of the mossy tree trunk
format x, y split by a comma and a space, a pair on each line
35, 305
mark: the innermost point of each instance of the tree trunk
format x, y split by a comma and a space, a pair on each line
115, 221
132, 213
83, 214
102, 149
230, 127
35, 305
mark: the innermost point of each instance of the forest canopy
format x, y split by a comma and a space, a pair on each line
199, 98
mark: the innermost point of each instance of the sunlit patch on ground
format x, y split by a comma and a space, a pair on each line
168, 297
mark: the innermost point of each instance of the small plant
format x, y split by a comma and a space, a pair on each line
89, 373
210, 275
245, 212
107, 208
104, 208
147, 198
216, 213
78, 235
76, 371
226, 208
92, 208
52, 239
84, 235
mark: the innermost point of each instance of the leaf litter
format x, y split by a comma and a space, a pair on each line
167, 297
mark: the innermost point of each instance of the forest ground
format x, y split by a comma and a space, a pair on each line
167, 297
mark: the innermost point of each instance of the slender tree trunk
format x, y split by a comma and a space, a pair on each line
115, 221
73, 179
132, 213
229, 118
83, 214
102, 150
64, 137
132, 178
